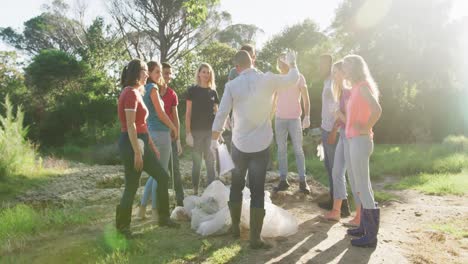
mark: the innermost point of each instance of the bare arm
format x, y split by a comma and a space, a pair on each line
175, 114
305, 100
376, 109
188, 117
160, 110
132, 135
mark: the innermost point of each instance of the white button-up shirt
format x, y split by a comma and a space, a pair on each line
250, 97
329, 106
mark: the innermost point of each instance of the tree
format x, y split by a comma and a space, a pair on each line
11, 79
310, 43
238, 34
164, 29
219, 56
406, 46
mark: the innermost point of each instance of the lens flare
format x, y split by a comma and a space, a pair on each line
372, 12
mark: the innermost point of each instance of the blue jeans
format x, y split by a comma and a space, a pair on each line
162, 140
339, 171
329, 151
151, 166
201, 150
256, 164
293, 127
359, 150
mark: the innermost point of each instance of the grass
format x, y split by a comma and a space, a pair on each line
435, 184
457, 228
20, 222
431, 168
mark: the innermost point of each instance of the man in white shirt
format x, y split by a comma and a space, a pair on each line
250, 97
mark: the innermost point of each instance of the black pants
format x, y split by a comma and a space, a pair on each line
256, 164
151, 166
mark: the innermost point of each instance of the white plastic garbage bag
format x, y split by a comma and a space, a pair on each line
180, 214
217, 191
190, 202
198, 216
320, 152
225, 160
218, 225
278, 222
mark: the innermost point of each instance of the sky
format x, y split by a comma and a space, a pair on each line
271, 16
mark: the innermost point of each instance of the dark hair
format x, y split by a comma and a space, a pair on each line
131, 73
249, 48
166, 65
151, 66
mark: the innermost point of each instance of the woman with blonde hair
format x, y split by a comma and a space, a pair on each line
160, 127
340, 202
202, 105
362, 112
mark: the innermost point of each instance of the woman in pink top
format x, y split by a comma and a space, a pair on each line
362, 112
288, 121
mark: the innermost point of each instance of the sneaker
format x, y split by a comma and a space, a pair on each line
304, 187
283, 185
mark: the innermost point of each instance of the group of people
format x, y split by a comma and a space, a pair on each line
150, 128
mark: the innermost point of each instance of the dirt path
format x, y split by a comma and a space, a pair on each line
405, 235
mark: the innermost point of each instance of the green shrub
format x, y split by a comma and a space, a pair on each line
18, 154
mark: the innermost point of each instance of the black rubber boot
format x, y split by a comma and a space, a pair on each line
304, 187
256, 224
167, 222
345, 212
235, 209
371, 221
123, 217
283, 185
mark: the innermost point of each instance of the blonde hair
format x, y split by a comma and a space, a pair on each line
211, 81
360, 72
337, 88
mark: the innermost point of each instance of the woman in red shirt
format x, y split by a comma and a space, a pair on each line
137, 150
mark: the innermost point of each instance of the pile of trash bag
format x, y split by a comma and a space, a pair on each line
209, 214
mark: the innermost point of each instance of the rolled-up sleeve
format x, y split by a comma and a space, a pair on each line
281, 81
224, 109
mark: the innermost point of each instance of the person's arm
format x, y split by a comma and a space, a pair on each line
154, 95
175, 114
305, 103
376, 109
132, 135
283, 81
225, 108
188, 117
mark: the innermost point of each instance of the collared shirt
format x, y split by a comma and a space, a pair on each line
250, 97
329, 106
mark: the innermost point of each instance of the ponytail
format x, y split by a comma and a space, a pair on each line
123, 77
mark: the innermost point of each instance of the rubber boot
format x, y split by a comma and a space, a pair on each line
123, 218
235, 209
304, 187
283, 185
256, 224
359, 231
371, 219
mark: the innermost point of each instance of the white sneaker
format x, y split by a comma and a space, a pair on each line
141, 213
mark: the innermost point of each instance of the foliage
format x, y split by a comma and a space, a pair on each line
238, 34
406, 46
18, 154
163, 29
